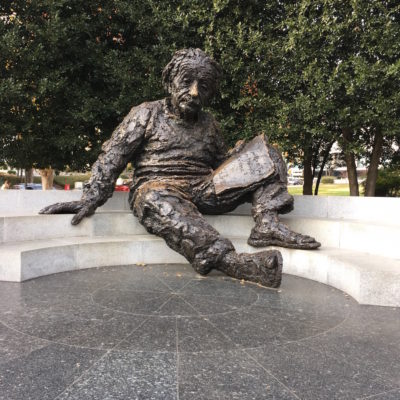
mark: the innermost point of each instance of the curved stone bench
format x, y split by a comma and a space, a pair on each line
360, 255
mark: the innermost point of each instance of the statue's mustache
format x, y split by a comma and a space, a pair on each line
188, 99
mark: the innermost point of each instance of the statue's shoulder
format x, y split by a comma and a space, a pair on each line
146, 110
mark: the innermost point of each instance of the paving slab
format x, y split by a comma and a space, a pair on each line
164, 332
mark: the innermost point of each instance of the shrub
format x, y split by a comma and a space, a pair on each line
13, 179
388, 183
12, 172
328, 179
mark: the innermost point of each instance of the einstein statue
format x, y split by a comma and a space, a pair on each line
182, 169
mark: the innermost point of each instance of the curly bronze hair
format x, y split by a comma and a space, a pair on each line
180, 62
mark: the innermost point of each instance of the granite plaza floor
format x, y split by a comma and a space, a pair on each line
163, 332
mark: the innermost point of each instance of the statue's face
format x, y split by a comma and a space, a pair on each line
192, 88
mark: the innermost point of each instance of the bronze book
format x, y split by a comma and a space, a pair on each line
249, 166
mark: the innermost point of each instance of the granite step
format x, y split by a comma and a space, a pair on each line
370, 279
361, 236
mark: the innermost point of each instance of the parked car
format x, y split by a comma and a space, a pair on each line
29, 186
122, 188
295, 181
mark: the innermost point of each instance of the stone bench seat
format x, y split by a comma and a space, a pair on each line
359, 255
371, 237
370, 279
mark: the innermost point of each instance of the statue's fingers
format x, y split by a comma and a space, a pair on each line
78, 217
45, 210
86, 211
62, 208
53, 209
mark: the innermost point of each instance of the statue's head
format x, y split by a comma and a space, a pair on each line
192, 79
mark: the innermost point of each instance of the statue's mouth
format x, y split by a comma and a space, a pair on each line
188, 104
192, 104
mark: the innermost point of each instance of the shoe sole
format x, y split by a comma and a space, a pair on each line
280, 243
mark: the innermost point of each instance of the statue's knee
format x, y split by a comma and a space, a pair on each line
145, 203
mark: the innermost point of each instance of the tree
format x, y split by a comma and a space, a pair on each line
342, 78
306, 73
243, 38
70, 71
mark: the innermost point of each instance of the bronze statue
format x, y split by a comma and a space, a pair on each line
183, 169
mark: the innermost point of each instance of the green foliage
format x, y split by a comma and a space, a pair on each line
328, 179
343, 69
299, 71
388, 183
70, 70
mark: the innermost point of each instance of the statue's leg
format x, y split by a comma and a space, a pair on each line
269, 200
169, 213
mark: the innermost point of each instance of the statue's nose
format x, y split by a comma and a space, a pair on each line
194, 90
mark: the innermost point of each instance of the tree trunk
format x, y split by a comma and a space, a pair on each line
372, 174
47, 175
350, 163
308, 175
321, 169
28, 175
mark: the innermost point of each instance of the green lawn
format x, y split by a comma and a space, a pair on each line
337, 189
71, 179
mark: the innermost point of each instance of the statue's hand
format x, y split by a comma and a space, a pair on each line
80, 208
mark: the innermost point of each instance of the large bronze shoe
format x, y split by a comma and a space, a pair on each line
264, 267
281, 235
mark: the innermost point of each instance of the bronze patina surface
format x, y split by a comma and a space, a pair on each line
182, 169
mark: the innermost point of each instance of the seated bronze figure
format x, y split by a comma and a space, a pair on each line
183, 169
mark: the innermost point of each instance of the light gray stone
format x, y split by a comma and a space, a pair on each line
375, 209
116, 223
45, 261
359, 253
155, 251
104, 253
39, 227
372, 238
350, 235
1, 229
10, 265
369, 279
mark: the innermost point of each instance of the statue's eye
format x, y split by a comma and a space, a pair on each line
203, 86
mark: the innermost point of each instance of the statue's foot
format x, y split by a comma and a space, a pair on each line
280, 235
264, 267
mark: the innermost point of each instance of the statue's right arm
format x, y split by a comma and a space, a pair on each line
116, 153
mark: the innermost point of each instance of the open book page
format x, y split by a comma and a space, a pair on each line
251, 165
